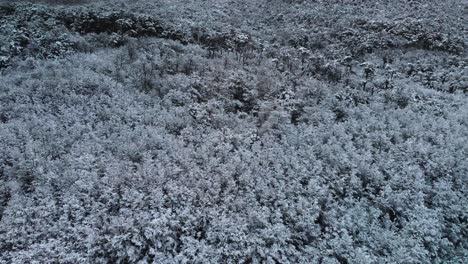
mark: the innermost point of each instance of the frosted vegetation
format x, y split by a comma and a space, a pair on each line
230, 132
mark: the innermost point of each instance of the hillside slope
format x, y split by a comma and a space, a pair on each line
231, 132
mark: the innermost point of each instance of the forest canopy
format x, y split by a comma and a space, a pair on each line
161, 131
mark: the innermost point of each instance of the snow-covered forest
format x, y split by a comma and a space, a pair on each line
229, 131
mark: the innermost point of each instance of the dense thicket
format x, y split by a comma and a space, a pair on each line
232, 132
